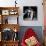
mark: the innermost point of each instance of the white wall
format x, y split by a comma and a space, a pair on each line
22, 3
37, 3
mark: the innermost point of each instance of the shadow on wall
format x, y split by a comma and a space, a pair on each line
37, 29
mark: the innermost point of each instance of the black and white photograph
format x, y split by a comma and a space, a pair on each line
30, 13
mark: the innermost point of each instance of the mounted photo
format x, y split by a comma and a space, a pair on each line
30, 13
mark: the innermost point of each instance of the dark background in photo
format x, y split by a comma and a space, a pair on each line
34, 8
9, 35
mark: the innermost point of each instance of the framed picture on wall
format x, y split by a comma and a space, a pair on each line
30, 13
5, 12
10, 20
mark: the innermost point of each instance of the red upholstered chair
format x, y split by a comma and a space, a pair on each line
29, 33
